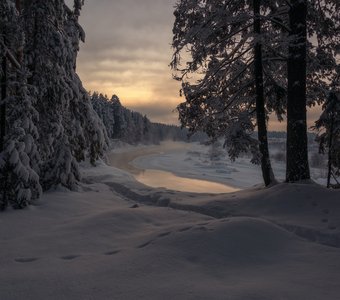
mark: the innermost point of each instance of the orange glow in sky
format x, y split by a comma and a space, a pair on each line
127, 53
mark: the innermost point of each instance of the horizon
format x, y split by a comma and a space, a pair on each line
129, 37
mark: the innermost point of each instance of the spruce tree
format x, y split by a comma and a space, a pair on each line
69, 128
328, 127
19, 157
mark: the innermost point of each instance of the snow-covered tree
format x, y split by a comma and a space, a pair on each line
222, 41
19, 157
105, 109
226, 41
313, 42
47, 122
328, 127
70, 129
130, 126
19, 161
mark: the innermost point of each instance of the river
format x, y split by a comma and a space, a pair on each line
160, 178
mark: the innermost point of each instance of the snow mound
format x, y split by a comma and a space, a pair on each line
118, 239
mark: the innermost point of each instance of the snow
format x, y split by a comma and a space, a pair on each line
118, 239
194, 161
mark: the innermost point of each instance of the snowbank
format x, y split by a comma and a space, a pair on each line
118, 239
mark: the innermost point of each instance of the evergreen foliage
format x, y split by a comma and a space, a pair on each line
19, 158
50, 124
217, 52
71, 128
132, 127
328, 127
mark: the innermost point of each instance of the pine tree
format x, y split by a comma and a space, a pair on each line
311, 69
328, 127
267, 171
19, 158
70, 129
297, 151
236, 86
297, 70
19, 162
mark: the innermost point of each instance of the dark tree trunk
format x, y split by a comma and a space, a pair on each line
3, 104
330, 145
18, 5
267, 172
297, 144
20, 51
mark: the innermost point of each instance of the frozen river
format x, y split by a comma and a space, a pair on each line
161, 178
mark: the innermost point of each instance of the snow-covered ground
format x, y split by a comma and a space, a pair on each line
118, 239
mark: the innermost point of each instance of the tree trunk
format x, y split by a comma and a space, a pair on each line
18, 5
267, 172
3, 104
297, 144
20, 50
330, 145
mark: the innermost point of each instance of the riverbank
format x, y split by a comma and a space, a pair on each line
186, 160
157, 175
196, 161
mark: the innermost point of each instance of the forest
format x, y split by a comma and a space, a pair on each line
255, 59
48, 121
100, 201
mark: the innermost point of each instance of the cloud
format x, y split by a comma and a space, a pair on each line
127, 52
160, 113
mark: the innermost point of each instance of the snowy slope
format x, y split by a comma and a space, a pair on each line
118, 239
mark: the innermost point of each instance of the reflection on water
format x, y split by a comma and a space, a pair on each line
157, 178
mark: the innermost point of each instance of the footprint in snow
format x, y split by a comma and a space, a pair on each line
112, 252
164, 234
26, 260
145, 244
225, 220
202, 228
331, 227
184, 229
69, 257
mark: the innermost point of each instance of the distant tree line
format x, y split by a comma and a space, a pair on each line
132, 127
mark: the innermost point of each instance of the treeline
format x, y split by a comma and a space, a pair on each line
132, 127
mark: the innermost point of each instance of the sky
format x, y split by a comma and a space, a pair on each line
127, 52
